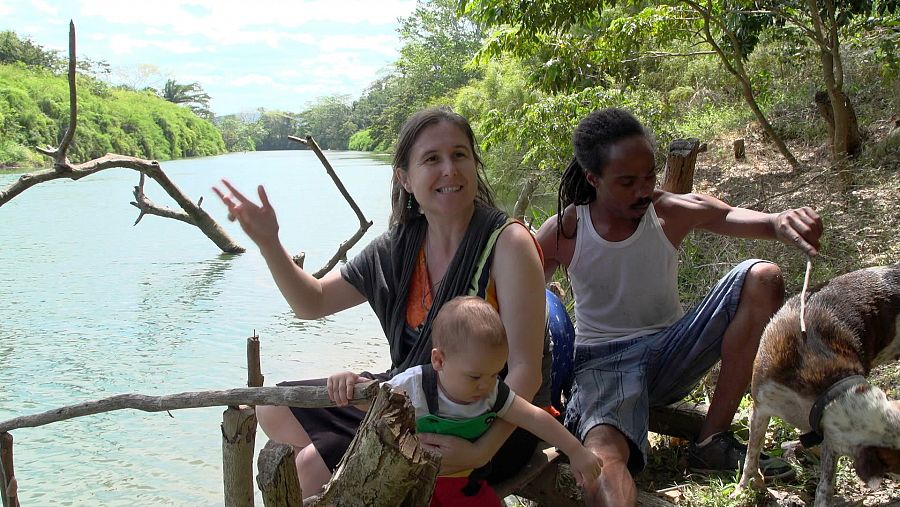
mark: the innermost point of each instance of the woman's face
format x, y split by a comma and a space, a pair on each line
442, 172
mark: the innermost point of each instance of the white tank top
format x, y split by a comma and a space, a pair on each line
624, 288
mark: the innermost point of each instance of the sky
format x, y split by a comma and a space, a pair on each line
246, 54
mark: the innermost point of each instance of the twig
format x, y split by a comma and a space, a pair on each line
295, 396
363, 223
803, 295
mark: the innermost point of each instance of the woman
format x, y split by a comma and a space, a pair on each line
442, 222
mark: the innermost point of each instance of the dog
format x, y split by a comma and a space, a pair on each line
815, 381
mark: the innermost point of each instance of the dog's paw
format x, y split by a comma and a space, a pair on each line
755, 482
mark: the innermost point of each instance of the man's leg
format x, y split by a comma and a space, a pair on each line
761, 296
614, 487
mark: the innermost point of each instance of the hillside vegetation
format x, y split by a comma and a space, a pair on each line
34, 111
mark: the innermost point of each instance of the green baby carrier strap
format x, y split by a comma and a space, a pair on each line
481, 277
470, 429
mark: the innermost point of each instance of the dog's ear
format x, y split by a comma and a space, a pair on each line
872, 463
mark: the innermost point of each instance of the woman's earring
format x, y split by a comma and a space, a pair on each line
409, 202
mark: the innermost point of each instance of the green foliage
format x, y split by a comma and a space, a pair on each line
16, 49
328, 120
237, 134
362, 141
273, 129
34, 111
437, 46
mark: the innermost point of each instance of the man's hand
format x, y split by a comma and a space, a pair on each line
340, 387
457, 454
801, 227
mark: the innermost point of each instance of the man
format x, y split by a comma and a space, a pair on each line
617, 236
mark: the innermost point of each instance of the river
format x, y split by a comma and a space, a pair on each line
91, 306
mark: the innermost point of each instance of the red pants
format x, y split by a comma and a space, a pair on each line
448, 493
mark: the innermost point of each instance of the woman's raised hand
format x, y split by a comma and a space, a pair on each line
258, 221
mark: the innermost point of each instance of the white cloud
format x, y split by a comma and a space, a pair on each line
218, 17
384, 44
44, 7
5, 10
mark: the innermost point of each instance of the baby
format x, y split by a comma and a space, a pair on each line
460, 393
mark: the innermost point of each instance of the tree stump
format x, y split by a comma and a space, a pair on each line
277, 478
679, 173
385, 464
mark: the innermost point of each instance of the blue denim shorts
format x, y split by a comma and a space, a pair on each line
616, 382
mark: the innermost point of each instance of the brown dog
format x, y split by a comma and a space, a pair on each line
816, 382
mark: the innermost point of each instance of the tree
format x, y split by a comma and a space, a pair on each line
328, 119
191, 95
16, 49
577, 33
437, 47
821, 22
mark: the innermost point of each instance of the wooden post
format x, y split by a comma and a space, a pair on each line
8, 485
255, 377
277, 479
679, 173
239, 438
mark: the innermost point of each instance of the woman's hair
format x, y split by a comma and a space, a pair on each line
465, 321
593, 141
409, 134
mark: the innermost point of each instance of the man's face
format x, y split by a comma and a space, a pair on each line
626, 185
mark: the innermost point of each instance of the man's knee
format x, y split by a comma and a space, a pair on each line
610, 444
764, 283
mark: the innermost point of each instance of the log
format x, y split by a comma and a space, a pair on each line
548, 481
679, 173
9, 491
294, 396
238, 440
277, 478
385, 464
683, 419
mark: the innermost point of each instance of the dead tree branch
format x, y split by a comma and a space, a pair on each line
295, 396
363, 223
63, 168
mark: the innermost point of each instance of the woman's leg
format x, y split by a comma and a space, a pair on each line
280, 425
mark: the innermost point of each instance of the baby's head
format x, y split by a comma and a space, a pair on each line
470, 348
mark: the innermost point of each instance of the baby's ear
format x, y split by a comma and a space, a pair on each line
437, 359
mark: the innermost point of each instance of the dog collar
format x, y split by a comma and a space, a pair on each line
814, 437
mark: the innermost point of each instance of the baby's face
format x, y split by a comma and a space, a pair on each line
469, 375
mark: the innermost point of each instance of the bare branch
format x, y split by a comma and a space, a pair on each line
363, 223
294, 396
148, 207
62, 168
